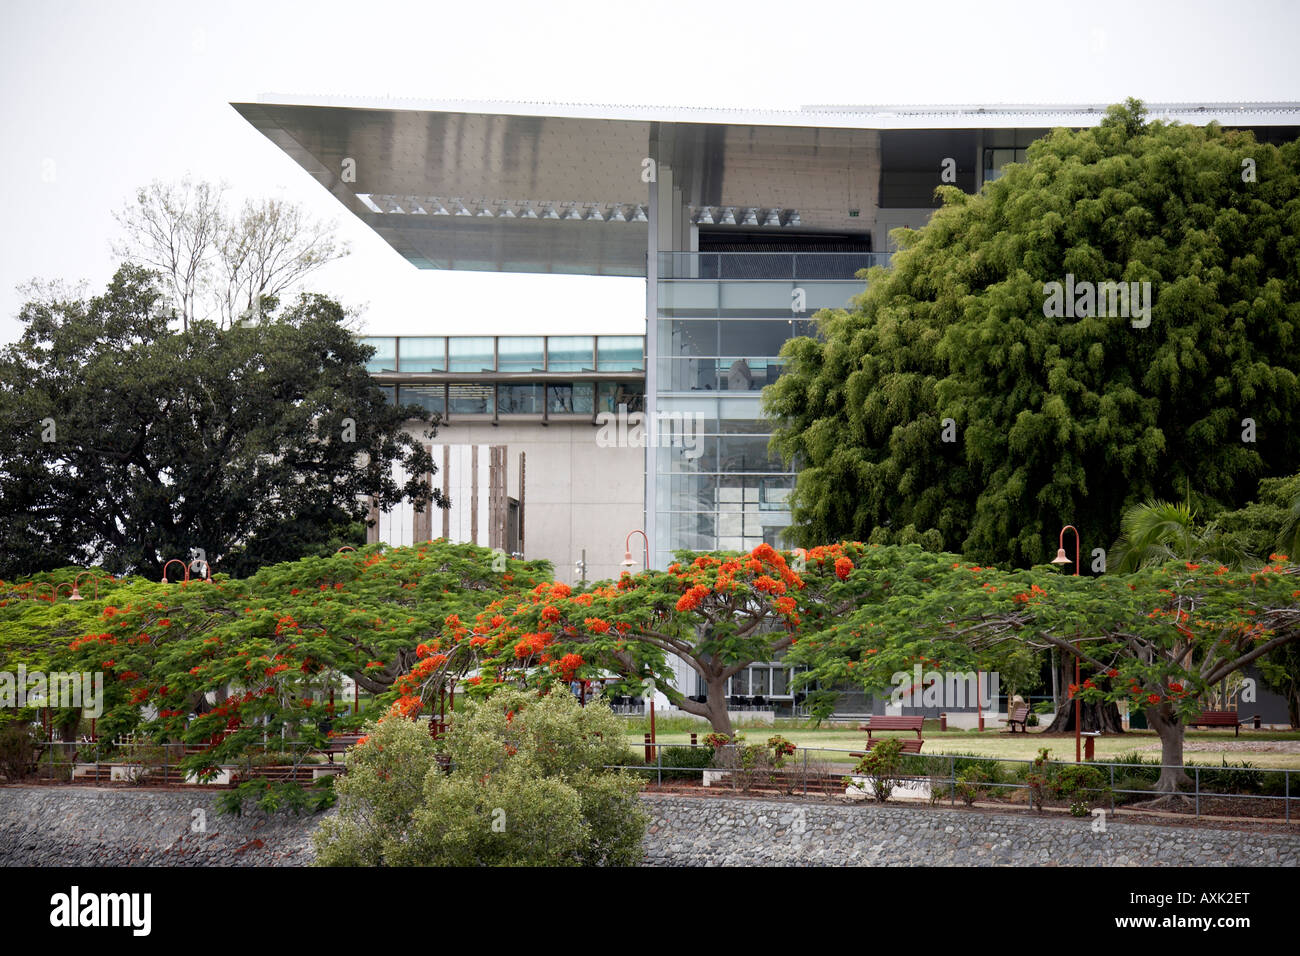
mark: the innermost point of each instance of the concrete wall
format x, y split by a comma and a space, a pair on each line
578, 494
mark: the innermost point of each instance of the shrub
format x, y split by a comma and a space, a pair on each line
1141, 784
527, 786
278, 796
685, 763
750, 764
781, 748
1037, 777
1231, 777
882, 765
972, 784
18, 750
1079, 780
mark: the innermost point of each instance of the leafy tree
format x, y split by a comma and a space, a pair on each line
1059, 419
718, 613
125, 444
231, 665
1160, 638
526, 785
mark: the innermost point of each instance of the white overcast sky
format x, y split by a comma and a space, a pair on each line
119, 94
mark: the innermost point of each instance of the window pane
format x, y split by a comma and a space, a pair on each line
385, 357
570, 399
388, 391
432, 398
774, 492
519, 354
739, 375
688, 338
519, 399
423, 354
756, 338
613, 394
746, 454
687, 493
619, 353
471, 354
780, 681
571, 353
688, 374
744, 426
471, 399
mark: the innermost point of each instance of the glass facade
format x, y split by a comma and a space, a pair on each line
506, 353
561, 398
422, 354
721, 322
385, 357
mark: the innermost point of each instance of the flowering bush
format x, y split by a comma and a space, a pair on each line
526, 786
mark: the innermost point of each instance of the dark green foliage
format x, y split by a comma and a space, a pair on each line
125, 444
277, 797
18, 750
1060, 418
685, 763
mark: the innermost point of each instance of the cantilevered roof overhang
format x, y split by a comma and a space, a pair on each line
543, 187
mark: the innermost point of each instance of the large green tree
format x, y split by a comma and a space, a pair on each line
1057, 419
125, 444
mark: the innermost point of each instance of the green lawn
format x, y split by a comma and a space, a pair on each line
997, 743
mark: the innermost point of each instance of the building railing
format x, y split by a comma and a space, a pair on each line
768, 265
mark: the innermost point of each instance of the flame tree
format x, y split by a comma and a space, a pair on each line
1160, 638
716, 612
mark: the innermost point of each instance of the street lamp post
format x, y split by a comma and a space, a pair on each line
1078, 709
183, 565
76, 595
627, 555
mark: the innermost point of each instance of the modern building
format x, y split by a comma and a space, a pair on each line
519, 449
742, 222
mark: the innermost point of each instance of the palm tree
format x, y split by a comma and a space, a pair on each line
1160, 531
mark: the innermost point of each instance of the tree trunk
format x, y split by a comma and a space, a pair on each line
719, 719
714, 709
1103, 717
1166, 724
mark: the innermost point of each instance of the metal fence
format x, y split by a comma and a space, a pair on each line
140, 761
945, 775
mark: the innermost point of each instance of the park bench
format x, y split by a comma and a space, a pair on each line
909, 746
1217, 718
340, 745
881, 722
1019, 716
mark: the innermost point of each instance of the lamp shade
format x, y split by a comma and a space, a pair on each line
1060, 557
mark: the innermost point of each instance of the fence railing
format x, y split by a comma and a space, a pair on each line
140, 761
945, 774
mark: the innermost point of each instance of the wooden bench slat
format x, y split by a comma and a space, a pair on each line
885, 722
909, 746
1019, 716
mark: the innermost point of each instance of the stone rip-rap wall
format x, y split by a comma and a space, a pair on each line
53, 826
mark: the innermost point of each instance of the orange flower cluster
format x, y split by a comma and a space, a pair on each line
692, 598
567, 665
